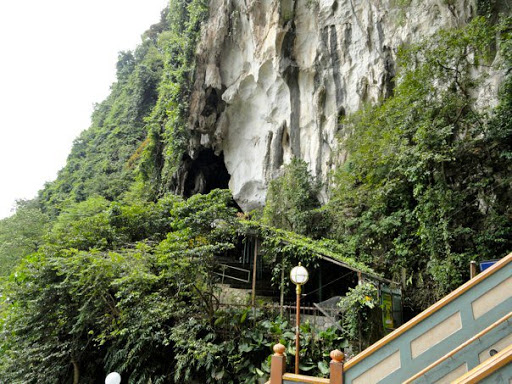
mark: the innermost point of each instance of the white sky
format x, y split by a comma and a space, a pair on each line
57, 58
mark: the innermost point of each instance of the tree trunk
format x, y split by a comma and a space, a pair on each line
76, 372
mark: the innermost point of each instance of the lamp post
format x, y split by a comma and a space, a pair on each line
299, 276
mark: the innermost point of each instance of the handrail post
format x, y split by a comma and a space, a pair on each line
254, 272
278, 364
336, 367
472, 269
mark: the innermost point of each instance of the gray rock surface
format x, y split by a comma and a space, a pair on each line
274, 77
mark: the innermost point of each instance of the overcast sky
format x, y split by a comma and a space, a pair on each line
57, 58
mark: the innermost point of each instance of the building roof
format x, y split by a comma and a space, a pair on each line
293, 243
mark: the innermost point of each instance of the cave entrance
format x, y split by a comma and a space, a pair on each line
205, 173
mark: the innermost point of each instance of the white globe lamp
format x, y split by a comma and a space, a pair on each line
299, 275
113, 378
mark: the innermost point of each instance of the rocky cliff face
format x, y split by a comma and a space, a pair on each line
274, 77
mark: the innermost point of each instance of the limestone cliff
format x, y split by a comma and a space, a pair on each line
274, 77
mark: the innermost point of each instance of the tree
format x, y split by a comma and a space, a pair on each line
21, 234
292, 202
426, 185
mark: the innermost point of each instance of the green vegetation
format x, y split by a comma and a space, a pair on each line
104, 157
292, 202
167, 131
21, 234
131, 288
138, 134
106, 270
427, 184
362, 316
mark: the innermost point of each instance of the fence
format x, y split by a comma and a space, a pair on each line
313, 315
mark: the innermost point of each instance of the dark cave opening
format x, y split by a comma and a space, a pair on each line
205, 173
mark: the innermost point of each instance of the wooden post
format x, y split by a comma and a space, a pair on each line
254, 271
278, 364
472, 269
320, 285
281, 294
336, 367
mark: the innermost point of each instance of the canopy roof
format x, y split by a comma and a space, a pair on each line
292, 243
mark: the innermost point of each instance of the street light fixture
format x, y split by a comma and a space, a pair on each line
113, 378
299, 276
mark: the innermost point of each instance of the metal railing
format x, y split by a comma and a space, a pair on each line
224, 267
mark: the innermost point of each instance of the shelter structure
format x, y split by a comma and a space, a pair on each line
267, 255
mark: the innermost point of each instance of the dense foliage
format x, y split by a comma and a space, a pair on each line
361, 318
131, 287
114, 273
427, 185
21, 234
138, 134
104, 157
167, 125
292, 201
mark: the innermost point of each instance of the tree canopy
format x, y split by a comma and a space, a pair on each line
426, 187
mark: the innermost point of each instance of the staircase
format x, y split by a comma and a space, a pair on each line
449, 339
464, 338
497, 370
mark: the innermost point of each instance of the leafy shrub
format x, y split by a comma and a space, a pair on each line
361, 316
292, 202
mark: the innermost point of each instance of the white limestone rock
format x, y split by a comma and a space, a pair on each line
274, 77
